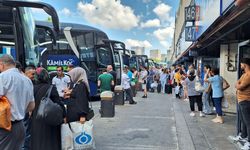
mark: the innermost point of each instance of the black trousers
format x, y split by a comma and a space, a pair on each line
245, 112
198, 100
129, 95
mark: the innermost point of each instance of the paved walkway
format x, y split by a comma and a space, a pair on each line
160, 122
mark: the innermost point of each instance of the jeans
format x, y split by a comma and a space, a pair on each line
245, 110
163, 83
129, 95
217, 103
206, 106
198, 100
243, 125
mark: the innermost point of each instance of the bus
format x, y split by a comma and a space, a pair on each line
138, 60
79, 45
17, 30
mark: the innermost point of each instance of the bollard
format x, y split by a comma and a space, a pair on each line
119, 95
107, 104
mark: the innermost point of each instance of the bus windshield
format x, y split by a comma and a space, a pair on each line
30, 38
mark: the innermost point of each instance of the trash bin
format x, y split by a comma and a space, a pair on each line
119, 95
107, 104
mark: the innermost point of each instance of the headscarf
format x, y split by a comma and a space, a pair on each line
42, 75
78, 74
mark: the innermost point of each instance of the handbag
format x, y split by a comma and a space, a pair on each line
5, 114
198, 87
48, 111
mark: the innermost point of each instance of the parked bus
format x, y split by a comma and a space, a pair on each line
17, 30
79, 45
138, 60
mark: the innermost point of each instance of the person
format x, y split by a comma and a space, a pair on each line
243, 96
112, 72
216, 82
105, 81
143, 80
44, 136
207, 93
193, 95
150, 79
77, 96
29, 72
61, 81
163, 79
134, 81
126, 86
177, 79
191, 67
19, 67
70, 67
21, 100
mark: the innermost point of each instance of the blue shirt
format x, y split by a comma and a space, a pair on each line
217, 86
130, 75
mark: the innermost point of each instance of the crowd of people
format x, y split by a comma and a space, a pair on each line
26, 88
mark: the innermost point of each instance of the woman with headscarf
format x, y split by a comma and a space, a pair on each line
44, 136
77, 96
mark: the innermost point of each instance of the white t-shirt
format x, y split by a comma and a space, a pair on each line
61, 84
143, 74
125, 81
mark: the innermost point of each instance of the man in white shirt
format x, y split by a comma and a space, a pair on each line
61, 81
19, 91
126, 86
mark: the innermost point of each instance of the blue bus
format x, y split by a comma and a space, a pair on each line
79, 45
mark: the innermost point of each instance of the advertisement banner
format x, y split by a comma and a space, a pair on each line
61, 60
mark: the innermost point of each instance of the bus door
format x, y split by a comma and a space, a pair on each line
243, 52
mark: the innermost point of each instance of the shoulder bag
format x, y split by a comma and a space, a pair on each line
48, 111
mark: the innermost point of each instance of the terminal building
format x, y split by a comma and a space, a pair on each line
213, 32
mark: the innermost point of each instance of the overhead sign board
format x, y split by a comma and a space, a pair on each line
190, 13
190, 33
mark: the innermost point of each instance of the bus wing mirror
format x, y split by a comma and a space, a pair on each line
46, 7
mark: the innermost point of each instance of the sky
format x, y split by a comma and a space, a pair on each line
144, 23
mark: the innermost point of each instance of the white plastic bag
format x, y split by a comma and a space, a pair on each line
224, 103
79, 137
177, 89
198, 86
154, 85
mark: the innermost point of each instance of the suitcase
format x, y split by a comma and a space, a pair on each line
159, 88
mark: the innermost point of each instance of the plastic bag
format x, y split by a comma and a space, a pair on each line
224, 103
198, 87
78, 136
154, 85
177, 89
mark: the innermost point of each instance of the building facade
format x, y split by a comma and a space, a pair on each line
218, 36
139, 50
155, 54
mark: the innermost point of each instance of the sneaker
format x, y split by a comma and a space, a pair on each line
133, 103
202, 114
144, 96
246, 146
186, 99
192, 114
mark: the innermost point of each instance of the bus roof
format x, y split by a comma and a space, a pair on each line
74, 26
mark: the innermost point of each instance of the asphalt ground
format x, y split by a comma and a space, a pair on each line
160, 122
